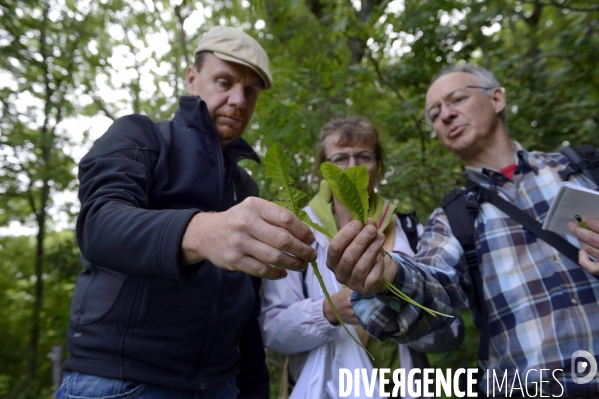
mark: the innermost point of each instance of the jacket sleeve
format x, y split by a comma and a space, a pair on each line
115, 228
292, 323
253, 379
447, 338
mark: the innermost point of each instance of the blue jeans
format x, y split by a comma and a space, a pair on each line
85, 386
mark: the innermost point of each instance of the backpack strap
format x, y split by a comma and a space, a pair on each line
583, 159
409, 224
461, 207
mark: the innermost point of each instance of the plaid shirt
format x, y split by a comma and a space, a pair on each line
541, 306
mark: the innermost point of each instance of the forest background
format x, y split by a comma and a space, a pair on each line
70, 67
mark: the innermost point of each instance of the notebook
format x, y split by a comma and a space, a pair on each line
571, 200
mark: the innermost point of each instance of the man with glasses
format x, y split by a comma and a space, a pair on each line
541, 307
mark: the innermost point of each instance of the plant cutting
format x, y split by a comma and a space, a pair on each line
349, 186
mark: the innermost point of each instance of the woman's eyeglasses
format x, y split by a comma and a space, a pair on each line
341, 159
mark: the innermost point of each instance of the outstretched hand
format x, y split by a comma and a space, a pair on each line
589, 240
354, 256
256, 237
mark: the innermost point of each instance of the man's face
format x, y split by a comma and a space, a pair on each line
230, 91
465, 115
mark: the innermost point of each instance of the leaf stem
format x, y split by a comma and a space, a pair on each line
326, 294
394, 290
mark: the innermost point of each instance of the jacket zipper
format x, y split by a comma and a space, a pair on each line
219, 275
213, 317
218, 285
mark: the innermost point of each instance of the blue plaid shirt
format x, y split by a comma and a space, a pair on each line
541, 306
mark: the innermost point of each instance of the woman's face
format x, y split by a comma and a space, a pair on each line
332, 148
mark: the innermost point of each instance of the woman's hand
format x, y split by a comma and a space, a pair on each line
342, 303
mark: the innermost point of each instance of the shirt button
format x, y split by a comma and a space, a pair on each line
557, 260
574, 301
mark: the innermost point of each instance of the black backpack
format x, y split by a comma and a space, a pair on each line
461, 206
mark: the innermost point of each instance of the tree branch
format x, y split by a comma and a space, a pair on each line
534, 18
182, 37
317, 8
564, 7
101, 106
417, 121
589, 75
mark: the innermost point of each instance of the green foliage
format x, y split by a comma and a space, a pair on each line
41, 71
17, 279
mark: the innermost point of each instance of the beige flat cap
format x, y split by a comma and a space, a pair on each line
234, 45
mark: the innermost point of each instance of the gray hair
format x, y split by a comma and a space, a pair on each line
484, 76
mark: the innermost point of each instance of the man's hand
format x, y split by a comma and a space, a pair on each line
354, 256
343, 306
256, 237
589, 240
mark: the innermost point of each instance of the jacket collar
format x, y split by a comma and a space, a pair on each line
525, 161
193, 113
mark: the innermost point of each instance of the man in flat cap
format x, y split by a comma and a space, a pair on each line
174, 241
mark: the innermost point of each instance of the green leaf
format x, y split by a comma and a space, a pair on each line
303, 216
359, 176
276, 168
344, 189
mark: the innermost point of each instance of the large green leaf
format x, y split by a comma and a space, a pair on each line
358, 175
276, 165
345, 190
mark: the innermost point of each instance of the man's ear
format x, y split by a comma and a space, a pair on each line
498, 98
190, 77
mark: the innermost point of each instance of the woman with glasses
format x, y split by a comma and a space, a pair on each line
296, 318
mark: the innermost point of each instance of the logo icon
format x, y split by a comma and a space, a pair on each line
583, 366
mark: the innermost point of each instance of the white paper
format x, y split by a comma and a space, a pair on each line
571, 200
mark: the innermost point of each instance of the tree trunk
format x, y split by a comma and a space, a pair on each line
41, 214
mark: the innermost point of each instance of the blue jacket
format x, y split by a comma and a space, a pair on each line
136, 314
